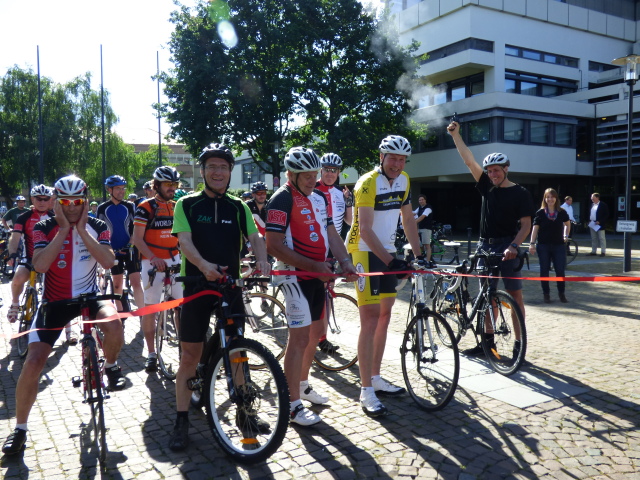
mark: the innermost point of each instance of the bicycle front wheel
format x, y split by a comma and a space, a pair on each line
249, 425
508, 347
572, 250
449, 306
168, 343
94, 396
27, 315
343, 330
430, 361
267, 324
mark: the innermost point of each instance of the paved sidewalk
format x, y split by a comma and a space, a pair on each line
572, 413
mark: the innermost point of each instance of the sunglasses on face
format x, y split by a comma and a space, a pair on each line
42, 199
67, 201
330, 170
171, 184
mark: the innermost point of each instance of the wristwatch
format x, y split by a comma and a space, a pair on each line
514, 245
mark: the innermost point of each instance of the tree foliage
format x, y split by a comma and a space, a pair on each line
71, 130
313, 72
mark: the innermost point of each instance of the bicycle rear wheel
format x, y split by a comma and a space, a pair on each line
449, 306
268, 324
260, 394
94, 396
430, 361
27, 315
572, 250
168, 343
507, 350
343, 330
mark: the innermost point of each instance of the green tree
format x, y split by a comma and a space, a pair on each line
317, 72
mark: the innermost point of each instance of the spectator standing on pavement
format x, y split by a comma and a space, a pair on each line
381, 196
300, 232
598, 216
94, 210
195, 225
9, 218
424, 219
549, 234
118, 214
152, 237
505, 218
61, 246
567, 206
257, 205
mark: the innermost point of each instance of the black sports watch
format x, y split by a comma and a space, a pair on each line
514, 245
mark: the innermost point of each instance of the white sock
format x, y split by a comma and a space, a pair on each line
109, 365
153, 355
295, 403
21, 426
366, 391
375, 377
304, 384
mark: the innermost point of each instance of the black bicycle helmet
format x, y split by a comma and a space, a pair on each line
114, 181
301, 159
166, 174
331, 160
70, 186
495, 159
395, 144
259, 187
218, 150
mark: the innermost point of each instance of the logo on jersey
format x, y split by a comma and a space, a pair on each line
62, 264
314, 237
361, 280
85, 258
204, 219
226, 221
305, 211
277, 217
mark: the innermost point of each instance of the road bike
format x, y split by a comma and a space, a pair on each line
167, 332
493, 315
92, 379
429, 352
28, 308
234, 394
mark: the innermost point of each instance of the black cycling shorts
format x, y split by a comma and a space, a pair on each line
129, 259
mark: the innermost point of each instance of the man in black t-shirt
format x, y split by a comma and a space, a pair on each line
507, 207
424, 219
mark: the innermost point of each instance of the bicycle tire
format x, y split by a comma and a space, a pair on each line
94, 395
272, 331
106, 286
27, 314
502, 355
343, 332
167, 343
449, 307
572, 250
431, 376
265, 394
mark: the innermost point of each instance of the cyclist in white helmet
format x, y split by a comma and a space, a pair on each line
381, 196
505, 219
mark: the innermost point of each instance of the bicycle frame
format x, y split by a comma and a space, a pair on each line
418, 297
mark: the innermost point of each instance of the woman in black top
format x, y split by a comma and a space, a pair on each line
550, 230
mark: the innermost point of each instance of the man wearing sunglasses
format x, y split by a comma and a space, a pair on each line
118, 214
152, 237
23, 229
67, 248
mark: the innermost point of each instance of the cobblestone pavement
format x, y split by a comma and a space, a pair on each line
591, 343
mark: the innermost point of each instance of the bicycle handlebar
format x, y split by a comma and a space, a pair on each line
494, 258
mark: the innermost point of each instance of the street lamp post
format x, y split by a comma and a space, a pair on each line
630, 62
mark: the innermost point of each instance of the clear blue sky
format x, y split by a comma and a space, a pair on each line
69, 34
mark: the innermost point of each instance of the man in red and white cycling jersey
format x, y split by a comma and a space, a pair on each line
67, 248
299, 234
41, 196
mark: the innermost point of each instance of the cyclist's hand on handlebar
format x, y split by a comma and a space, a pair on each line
213, 272
263, 267
510, 253
158, 263
397, 265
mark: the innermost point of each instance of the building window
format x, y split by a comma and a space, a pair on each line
457, 47
563, 134
539, 132
539, 86
539, 56
479, 131
513, 130
251, 173
454, 90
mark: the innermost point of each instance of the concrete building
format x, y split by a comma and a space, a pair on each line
529, 78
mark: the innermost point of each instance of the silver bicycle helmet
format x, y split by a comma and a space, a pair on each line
331, 160
166, 174
395, 144
70, 186
41, 190
495, 159
301, 159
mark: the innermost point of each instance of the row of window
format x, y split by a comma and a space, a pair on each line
457, 47
540, 56
505, 130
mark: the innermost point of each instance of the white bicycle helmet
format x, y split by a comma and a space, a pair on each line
301, 159
70, 186
20, 198
495, 159
331, 160
166, 174
395, 144
41, 190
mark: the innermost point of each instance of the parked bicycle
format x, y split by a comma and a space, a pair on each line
429, 352
28, 308
499, 324
167, 338
232, 392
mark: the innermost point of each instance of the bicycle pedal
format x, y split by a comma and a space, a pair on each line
76, 381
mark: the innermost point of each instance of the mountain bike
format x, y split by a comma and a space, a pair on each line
92, 378
429, 352
232, 392
499, 323
167, 338
28, 308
